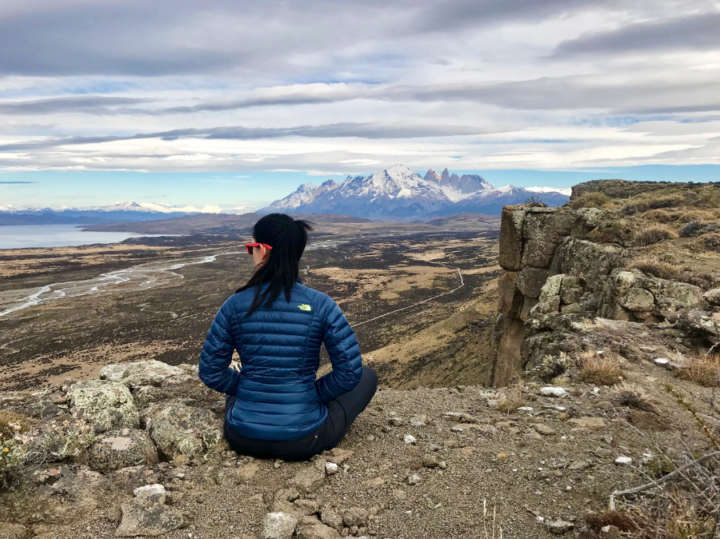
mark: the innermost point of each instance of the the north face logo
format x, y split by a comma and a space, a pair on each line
304, 307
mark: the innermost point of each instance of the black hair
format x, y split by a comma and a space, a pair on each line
287, 237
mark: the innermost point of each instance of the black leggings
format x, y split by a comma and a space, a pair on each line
341, 413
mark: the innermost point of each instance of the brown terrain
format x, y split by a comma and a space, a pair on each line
526, 384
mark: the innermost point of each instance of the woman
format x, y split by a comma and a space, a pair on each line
275, 407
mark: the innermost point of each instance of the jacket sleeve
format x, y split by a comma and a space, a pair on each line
344, 351
214, 369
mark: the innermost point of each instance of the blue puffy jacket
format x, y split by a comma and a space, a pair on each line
277, 395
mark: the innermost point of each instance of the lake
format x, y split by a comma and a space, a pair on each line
24, 236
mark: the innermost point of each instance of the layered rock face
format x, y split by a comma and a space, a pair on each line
565, 269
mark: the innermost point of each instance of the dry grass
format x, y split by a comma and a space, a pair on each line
655, 234
651, 265
703, 369
633, 396
600, 369
511, 399
593, 199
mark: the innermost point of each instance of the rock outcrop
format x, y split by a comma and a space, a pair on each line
567, 267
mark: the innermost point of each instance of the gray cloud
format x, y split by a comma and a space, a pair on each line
360, 130
698, 31
83, 103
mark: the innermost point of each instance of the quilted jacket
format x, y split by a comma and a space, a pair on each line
277, 395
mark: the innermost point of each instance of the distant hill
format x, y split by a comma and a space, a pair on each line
126, 212
399, 193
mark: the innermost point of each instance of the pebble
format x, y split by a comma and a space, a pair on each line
544, 429
558, 526
409, 439
553, 391
331, 468
623, 460
413, 479
528, 409
430, 461
419, 420
456, 428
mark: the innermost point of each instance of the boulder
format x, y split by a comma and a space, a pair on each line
712, 296
120, 449
105, 404
179, 429
279, 525
142, 373
140, 518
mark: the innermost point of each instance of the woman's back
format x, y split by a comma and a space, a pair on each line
276, 394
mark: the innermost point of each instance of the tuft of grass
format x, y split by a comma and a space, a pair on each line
651, 265
633, 396
600, 369
511, 399
655, 234
703, 369
593, 199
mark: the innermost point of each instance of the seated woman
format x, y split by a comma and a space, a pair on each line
275, 407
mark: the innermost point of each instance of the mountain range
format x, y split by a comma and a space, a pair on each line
122, 211
399, 193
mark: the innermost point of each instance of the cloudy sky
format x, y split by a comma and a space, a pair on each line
231, 104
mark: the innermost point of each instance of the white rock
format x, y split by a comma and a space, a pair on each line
413, 479
331, 468
525, 409
279, 525
154, 493
623, 460
663, 362
409, 439
553, 391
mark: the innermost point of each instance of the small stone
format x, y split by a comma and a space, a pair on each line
578, 465
355, 516
339, 456
150, 494
419, 420
525, 409
331, 468
309, 478
331, 517
395, 420
442, 465
623, 460
409, 439
553, 391
430, 461
413, 479
456, 428
544, 429
279, 525
559, 526
316, 530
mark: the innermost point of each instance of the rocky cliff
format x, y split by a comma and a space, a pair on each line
594, 263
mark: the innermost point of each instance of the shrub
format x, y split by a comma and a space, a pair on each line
654, 234
633, 396
703, 369
600, 369
711, 242
511, 399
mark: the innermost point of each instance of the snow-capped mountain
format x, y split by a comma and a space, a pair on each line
398, 192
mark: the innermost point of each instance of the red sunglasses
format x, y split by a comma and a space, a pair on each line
249, 246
